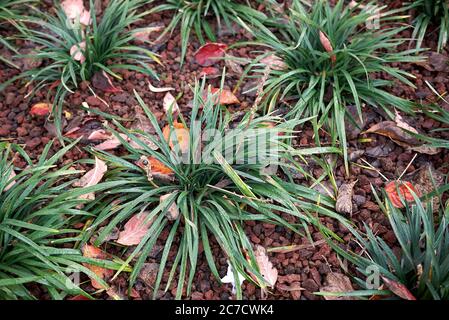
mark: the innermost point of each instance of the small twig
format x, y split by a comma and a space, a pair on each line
375, 169
409, 164
95, 95
291, 248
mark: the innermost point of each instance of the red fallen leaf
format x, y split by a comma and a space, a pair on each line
78, 297
226, 96
210, 72
90, 251
208, 53
398, 289
403, 186
102, 81
41, 109
135, 229
327, 46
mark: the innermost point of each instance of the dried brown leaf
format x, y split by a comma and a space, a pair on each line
337, 283
344, 198
173, 211
93, 252
269, 273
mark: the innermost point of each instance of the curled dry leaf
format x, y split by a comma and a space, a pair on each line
155, 169
234, 64
102, 81
76, 51
93, 252
148, 273
337, 283
112, 143
169, 103
159, 90
426, 180
400, 122
208, 54
274, 62
327, 46
398, 289
344, 198
269, 273
173, 211
294, 288
182, 136
92, 177
143, 34
41, 109
74, 9
12, 174
404, 188
135, 229
225, 96
99, 135
398, 132
391, 130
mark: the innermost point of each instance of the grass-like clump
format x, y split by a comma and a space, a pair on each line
333, 57
210, 186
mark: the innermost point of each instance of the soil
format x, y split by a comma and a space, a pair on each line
301, 272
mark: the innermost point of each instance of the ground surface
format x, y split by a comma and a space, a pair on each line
302, 271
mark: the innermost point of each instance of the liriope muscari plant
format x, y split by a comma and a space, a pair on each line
326, 58
201, 182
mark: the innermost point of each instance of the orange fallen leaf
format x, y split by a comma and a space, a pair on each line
404, 188
225, 96
93, 252
182, 135
41, 109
